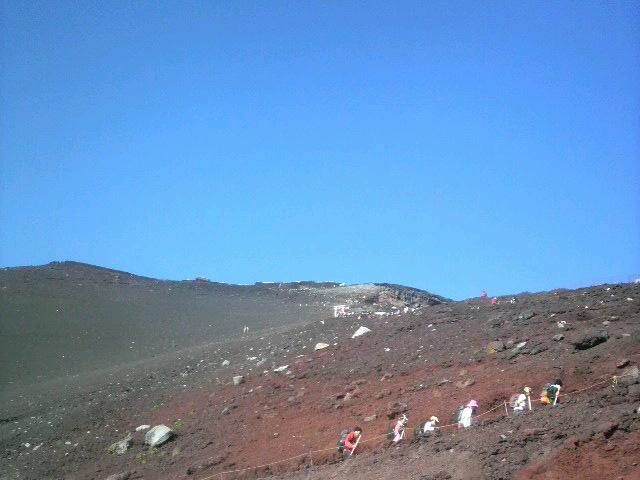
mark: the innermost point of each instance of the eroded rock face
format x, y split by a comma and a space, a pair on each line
589, 339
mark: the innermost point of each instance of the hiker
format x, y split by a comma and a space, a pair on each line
550, 393
348, 442
518, 401
483, 295
494, 300
430, 426
398, 430
464, 419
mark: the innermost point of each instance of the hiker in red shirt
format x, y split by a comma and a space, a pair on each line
351, 439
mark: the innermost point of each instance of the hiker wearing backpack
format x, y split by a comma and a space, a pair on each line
465, 415
518, 401
348, 440
550, 393
398, 430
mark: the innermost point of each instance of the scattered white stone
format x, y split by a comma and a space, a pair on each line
142, 427
225, 363
387, 349
521, 344
238, 379
629, 299
281, 369
28, 445
320, 346
360, 331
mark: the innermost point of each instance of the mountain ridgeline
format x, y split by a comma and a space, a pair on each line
67, 318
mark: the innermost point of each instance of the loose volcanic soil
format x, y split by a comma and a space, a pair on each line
425, 362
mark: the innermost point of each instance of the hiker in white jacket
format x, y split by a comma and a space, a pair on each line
466, 414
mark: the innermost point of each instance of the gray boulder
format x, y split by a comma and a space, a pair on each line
118, 448
524, 316
589, 340
119, 476
158, 435
495, 346
630, 376
238, 379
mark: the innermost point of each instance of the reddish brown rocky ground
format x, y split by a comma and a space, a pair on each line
436, 360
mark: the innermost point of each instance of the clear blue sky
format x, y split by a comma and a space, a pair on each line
451, 146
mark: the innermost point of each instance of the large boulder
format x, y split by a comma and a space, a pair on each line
158, 435
589, 339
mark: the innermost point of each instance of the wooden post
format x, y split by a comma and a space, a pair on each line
555, 400
529, 400
506, 412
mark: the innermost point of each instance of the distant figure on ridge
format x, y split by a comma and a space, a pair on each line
245, 329
483, 295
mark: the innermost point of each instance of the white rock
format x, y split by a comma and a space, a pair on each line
360, 331
225, 363
142, 427
320, 346
238, 379
281, 369
158, 435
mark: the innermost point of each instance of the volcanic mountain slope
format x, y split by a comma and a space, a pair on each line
426, 362
66, 318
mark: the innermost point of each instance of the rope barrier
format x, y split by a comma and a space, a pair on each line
614, 379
